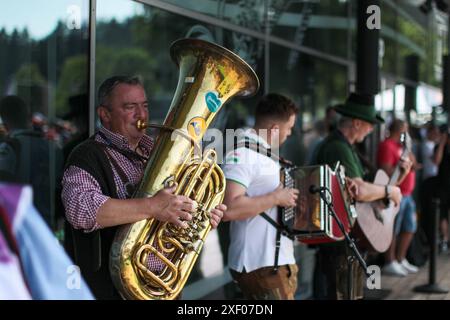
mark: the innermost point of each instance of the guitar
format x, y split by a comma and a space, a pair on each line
376, 219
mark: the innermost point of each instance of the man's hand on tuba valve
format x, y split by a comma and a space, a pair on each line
172, 208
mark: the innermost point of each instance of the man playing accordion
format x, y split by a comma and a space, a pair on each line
261, 259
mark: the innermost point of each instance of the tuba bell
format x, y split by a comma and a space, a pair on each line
209, 75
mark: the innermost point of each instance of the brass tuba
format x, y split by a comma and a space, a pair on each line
209, 76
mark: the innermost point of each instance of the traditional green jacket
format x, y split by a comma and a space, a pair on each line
336, 148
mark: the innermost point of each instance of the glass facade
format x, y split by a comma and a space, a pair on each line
409, 35
303, 49
43, 91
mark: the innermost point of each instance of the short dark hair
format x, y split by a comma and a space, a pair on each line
396, 125
107, 87
275, 106
443, 128
431, 126
14, 112
332, 109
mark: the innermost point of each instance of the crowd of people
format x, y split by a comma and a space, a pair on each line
102, 172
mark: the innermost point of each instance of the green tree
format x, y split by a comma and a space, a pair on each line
129, 61
3, 61
32, 87
73, 81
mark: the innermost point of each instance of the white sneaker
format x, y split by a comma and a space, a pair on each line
395, 269
408, 266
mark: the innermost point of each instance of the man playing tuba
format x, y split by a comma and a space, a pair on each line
100, 177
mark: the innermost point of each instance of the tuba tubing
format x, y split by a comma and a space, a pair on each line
209, 76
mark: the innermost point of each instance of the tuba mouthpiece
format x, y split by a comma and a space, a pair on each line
141, 124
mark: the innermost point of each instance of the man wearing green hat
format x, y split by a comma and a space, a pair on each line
358, 117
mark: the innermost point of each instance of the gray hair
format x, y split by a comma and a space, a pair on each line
344, 122
107, 87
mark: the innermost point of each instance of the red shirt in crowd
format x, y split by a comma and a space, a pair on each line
389, 152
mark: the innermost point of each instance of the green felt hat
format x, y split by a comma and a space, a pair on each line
360, 106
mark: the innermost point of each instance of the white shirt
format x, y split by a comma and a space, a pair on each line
430, 169
252, 241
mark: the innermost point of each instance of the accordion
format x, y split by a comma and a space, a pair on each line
310, 220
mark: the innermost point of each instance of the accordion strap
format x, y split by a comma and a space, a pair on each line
259, 148
280, 231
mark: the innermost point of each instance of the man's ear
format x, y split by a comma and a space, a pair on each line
274, 130
274, 126
104, 114
356, 123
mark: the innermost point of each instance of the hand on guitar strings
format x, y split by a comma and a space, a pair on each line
352, 187
395, 195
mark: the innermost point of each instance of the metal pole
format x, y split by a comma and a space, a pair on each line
92, 35
434, 242
432, 287
367, 51
350, 260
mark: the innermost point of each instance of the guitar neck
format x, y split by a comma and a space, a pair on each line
394, 178
405, 140
397, 171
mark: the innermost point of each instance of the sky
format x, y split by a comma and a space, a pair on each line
40, 17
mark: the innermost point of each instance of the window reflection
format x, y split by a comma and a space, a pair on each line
322, 25
314, 84
246, 13
43, 82
139, 44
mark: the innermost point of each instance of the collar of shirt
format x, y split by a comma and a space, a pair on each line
121, 142
341, 136
251, 134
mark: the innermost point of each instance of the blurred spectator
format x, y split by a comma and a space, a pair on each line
322, 128
27, 157
2, 129
78, 116
39, 123
443, 183
391, 156
32, 263
321, 132
331, 118
427, 154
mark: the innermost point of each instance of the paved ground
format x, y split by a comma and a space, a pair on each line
402, 288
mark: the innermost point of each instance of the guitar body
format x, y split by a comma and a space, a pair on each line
375, 222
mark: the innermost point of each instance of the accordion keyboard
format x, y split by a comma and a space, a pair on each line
287, 214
